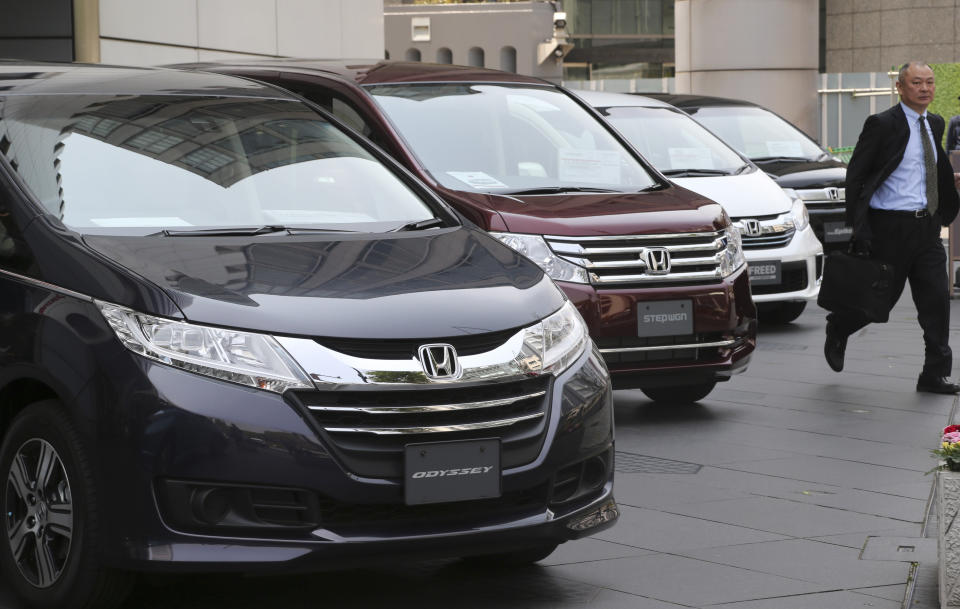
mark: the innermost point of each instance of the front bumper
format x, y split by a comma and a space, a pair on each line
170, 427
801, 263
723, 339
333, 552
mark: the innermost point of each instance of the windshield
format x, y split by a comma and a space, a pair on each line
503, 138
139, 164
758, 133
672, 141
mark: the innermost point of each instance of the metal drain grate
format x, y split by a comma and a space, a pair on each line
629, 463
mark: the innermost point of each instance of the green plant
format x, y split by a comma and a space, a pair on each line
945, 102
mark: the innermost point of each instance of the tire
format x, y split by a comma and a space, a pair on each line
780, 312
681, 394
516, 558
49, 555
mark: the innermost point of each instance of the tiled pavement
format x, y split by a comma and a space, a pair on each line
790, 487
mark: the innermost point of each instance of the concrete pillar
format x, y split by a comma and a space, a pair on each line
86, 31
764, 51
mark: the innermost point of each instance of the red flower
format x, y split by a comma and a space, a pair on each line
951, 428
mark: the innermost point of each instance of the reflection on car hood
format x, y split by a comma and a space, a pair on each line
445, 282
748, 194
670, 210
807, 174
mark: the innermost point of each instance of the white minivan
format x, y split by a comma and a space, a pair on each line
783, 253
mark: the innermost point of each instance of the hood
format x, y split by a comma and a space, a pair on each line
748, 194
437, 283
806, 174
672, 209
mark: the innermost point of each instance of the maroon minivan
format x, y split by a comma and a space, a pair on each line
656, 271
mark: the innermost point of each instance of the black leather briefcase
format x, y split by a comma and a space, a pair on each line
857, 284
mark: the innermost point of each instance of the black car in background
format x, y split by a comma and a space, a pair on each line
234, 336
786, 153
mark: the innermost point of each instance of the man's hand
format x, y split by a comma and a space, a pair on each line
956, 180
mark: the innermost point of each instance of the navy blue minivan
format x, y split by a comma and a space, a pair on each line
234, 336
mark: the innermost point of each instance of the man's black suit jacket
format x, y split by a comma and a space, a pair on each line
878, 152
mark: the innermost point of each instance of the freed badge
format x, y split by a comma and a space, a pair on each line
764, 272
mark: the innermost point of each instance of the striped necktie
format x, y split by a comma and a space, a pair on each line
929, 167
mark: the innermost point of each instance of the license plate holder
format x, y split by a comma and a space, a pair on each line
765, 272
442, 472
665, 318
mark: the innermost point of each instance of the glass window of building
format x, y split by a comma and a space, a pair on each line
619, 39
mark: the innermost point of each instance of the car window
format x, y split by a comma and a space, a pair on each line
757, 133
671, 140
503, 138
108, 164
349, 116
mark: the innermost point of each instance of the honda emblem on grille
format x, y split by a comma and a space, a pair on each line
833, 193
440, 362
751, 227
657, 259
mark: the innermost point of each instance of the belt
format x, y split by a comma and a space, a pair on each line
913, 213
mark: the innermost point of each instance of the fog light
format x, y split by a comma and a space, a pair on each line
605, 513
210, 505
594, 473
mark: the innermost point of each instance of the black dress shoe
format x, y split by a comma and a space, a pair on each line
936, 384
834, 348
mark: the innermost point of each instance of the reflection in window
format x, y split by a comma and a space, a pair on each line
206, 160
671, 140
178, 162
154, 142
520, 137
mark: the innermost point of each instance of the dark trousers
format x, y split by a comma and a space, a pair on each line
914, 249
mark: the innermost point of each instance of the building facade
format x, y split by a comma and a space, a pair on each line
521, 37
722, 50
877, 35
619, 39
609, 39
148, 32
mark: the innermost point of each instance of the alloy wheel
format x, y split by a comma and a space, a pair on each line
39, 513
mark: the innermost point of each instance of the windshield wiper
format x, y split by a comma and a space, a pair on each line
244, 231
419, 225
778, 159
740, 169
683, 173
549, 190
240, 231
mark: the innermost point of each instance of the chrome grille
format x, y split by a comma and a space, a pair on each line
369, 429
622, 350
693, 257
773, 232
823, 198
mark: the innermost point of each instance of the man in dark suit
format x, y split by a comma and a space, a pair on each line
900, 191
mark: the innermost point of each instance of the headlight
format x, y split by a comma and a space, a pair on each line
256, 360
799, 215
537, 250
556, 342
731, 258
